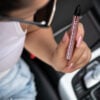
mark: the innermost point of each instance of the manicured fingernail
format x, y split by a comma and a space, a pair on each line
79, 41
71, 65
64, 37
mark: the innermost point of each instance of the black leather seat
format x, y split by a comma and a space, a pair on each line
44, 88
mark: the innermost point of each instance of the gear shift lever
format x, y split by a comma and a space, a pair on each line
92, 77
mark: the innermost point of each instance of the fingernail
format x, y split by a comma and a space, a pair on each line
64, 37
79, 41
71, 65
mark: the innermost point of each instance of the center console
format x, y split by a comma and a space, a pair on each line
82, 84
86, 80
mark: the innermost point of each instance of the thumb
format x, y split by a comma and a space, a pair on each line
62, 47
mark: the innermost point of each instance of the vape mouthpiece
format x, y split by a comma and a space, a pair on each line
77, 10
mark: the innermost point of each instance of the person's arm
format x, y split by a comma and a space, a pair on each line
42, 43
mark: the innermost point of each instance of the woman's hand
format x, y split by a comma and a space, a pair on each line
80, 58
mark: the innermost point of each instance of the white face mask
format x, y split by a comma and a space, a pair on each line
12, 38
13, 28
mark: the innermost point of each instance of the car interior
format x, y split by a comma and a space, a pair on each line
82, 84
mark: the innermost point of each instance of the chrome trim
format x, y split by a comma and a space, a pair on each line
64, 29
61, 30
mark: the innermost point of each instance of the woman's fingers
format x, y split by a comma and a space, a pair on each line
86, 58
78, 52
80, 58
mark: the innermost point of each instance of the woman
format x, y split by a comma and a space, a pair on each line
16, 82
